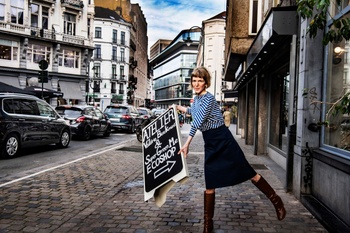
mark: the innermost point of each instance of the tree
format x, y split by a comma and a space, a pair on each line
317, 10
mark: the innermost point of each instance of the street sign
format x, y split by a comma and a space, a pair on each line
162, 165
43, 64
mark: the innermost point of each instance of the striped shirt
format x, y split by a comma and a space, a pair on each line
205, 113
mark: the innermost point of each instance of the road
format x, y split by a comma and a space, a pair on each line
40, 158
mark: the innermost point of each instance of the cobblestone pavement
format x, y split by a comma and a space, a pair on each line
104, 193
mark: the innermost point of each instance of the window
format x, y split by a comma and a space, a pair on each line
97, 70
279, 112
8, 50
114, 53
254, 16
98, 52
69, 24
44, 17
17, 11
122, 38
115, 36
98, 32
2, 10
36, 53
122, 54
114, 71
69, 58
121, 69
34, 17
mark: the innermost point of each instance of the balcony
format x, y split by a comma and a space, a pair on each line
73, 39
43, 33
113, 91
73, 4
114, 78
122, 79
121, 92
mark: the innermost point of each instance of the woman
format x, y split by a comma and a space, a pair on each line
225, 163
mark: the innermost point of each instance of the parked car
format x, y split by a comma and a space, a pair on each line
27, 121
85, 121
123, 117
158, 111
144, 112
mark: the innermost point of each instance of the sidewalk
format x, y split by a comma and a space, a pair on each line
104, 193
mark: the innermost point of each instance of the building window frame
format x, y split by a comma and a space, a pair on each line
70, 21
255, 16
98, 32
17, 12
9, 50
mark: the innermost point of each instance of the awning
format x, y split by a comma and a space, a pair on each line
71, 90
280, 24
45, 92
13, 81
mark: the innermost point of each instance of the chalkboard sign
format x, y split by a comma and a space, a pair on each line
162, 165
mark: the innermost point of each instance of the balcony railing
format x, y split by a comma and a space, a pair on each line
121, 92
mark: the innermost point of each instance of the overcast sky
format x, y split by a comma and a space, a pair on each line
167, 18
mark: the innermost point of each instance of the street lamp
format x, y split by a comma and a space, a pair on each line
188, 41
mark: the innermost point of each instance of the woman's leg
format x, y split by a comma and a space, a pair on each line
264, 187
209, 205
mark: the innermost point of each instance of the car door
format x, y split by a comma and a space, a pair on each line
52, 124
92, 119
136, 116
102, 120
24, 115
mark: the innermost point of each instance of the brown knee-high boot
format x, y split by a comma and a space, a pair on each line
209, 204
271, 194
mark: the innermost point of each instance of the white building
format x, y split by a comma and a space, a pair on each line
55, 31
109, 68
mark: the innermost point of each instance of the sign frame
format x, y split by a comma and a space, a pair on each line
162, 165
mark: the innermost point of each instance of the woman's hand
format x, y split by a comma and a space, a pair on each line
184, 150
185, 147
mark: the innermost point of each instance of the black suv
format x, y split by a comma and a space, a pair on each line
123, 117
85, 120
27, 121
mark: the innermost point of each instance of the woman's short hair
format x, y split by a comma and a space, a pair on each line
201, 72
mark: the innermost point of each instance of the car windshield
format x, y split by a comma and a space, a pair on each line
72, 113
119, 110
143, 112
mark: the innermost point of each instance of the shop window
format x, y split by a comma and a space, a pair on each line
36, 53
8, 50
279, 112
69, 58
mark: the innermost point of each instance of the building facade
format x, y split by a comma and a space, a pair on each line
136, 58
172, 70
287, 85
55, 31
109, 68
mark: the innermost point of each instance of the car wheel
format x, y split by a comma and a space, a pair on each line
11, 146
107, 133
87, 133
64, 139
132, 128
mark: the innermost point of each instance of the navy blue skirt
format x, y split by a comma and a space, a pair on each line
225, 164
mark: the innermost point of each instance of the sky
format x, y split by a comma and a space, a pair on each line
167, 18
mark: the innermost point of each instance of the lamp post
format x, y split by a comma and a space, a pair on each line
188, 41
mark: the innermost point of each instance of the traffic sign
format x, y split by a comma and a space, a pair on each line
162, 165
43, 64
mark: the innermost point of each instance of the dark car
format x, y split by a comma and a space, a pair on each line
144, 112
27, 121
123, 117
85, 121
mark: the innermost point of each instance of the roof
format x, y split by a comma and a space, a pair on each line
105, 13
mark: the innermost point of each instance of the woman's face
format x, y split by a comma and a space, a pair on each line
198, 84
